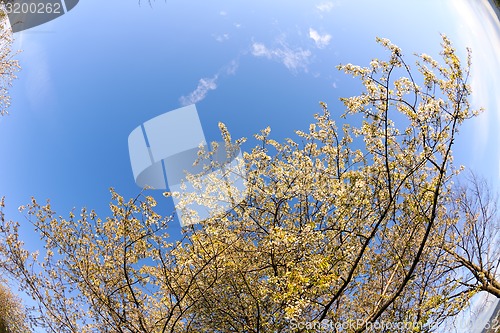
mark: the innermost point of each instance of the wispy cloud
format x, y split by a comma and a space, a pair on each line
206, 84
325, 6
201, 91
232, 67
221, 38
292, 59
320, 40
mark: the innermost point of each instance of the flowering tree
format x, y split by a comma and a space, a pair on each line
342, 227
347, 227
8, 65
12, 314
474, 244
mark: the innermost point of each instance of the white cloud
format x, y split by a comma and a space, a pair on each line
292, 59
320, 40
325, 6
207, 84
222, 38
222, 13
259, 50
201, 91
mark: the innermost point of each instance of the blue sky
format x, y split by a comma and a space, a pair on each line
93, 75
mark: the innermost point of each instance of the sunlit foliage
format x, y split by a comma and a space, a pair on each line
347, 224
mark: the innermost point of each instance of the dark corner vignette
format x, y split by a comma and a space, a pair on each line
26, 14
